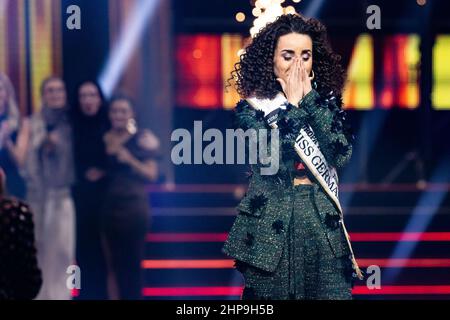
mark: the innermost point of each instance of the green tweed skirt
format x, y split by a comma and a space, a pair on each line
308, 269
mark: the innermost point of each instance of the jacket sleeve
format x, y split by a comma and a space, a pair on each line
330, 126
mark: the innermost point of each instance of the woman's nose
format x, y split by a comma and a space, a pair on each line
291, 64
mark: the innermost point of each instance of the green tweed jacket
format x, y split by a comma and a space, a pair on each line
259, 230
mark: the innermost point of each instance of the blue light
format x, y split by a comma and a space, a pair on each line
126, 44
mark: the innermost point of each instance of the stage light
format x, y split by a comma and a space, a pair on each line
441, 73
401, 61
289, 10
266, 11
129, 38
358, 92
265, 3
197, 54
240, 17
256, 12
419, 222
421, 2
313, 9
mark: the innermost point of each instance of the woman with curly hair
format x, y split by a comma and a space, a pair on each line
288, 239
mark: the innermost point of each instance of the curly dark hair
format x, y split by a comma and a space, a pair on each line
254, 72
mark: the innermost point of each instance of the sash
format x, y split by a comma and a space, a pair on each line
307, 147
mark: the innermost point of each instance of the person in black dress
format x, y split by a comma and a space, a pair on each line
131, 156
90, 122
20, 276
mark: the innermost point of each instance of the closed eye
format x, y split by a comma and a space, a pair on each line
306, 56
287, 56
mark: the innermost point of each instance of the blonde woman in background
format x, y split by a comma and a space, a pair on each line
49, 173
13, 139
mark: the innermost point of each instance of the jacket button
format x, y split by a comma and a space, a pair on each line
250, 239
332, 221
258, 202
278, 226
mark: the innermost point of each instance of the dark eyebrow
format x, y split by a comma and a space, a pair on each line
293, 52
